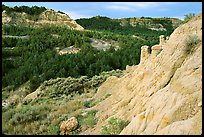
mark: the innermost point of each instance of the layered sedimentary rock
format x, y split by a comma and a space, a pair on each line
163, 94
158, 24
49, 17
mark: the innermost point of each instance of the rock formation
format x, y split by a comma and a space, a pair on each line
151, 23
68, 50
163, 94
50, 17
156, 49
67, 126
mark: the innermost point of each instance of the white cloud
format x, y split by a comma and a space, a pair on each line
133, 6
76, 15
137, 4
179, 17
144, 5
121, 8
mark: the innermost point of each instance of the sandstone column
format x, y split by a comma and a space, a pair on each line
144, 53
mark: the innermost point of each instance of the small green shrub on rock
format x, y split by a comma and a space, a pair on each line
89, 120
114, 126
191, 42
89, 104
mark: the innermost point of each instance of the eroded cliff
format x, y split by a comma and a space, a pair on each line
152, 23
163, 94
50, 17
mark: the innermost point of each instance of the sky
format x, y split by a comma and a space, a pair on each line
78, 10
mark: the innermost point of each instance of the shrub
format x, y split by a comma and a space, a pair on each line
8, 114
88, 120
191, 42
89, 104
53, 130
159, 52
34, 83
26, 120
107, 95
61, 12
188, 17
114, 127
29, 113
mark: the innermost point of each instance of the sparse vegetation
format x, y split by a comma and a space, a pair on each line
85, 121
60, 101
107, 95
114, 126
68, 86
53, 130
44, 115
61, 12
24, 118
188, 17
191, 42
159, 52
89, 119
89, 104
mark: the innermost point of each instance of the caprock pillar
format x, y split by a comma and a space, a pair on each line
144, 53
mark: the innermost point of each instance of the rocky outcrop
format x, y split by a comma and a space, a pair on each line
158, 24
50, 17
104, 45
67, 126
155, 50
163, 94
68, 50
5, 18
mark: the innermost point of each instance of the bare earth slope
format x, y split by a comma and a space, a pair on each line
163, 94
50, 17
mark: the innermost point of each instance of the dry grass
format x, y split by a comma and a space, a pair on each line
43, 115
191, 42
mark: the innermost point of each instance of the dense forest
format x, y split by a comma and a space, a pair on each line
30, 53
101, 23
35, 58
34, 10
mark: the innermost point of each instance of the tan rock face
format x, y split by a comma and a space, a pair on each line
149, 23
144, 53
69, 50
162, 39
163, 95
5, 18
46, 17
67, 126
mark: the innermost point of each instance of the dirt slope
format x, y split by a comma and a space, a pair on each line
163, 94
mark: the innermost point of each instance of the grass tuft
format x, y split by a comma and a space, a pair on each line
114, 126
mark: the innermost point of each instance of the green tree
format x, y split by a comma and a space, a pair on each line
188, 17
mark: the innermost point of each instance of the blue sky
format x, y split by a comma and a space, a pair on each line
119, 9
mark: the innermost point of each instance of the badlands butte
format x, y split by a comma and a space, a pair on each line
47, 17
162, 95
